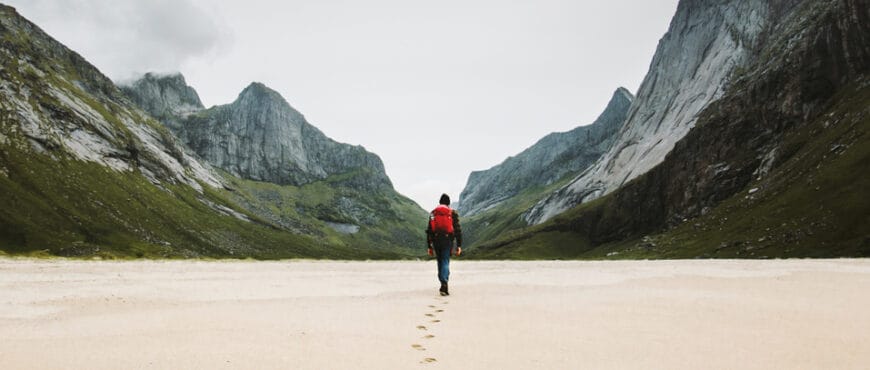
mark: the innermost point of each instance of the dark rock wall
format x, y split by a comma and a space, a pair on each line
811, 51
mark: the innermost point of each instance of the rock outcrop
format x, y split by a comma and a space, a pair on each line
85, 172
167, 97
60, 102
776, 166
261, 137
550, 159
696, 59
258, 137
283, 169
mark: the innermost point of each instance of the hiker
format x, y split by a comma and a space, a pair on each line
443, 229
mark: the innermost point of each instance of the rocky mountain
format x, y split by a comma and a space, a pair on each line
85, 172
692, 67
775, 166
71, 108
547, 161
284, 169
167, 98
261, 137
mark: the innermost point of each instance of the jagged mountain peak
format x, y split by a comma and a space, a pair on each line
167, 97
694, 62
547, 161
171, 76
773, 93
259, 90
620, 100
618, 105
264, 101
66, 108
623, 92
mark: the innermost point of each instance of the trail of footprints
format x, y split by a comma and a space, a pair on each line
432, 319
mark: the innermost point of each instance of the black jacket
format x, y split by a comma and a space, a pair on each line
457, 230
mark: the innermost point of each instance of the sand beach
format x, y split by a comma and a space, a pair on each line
713, 314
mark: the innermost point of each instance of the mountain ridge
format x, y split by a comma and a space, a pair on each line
164, 96
260, 136
691, 68
774, 167
87, 173
273, 156
548, 160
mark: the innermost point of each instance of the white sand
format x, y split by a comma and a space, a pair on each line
370, 315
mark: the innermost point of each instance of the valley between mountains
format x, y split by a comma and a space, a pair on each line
748, 138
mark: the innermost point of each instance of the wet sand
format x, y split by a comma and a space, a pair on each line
387, 315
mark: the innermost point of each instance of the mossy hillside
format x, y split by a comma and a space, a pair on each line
555, 238
77, 208
33, 46
73, 208
505, 217
386, 219
544, 245
54, 204
796, 80
813, 204
34, 65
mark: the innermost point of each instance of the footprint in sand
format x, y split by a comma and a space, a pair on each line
431, 306
435, 321
430, 315
418, 347
428, 336
421, 327
439, 310
428, 360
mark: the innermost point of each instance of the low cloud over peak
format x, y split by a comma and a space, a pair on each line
132, 37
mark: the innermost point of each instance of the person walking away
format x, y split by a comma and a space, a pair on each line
442, 231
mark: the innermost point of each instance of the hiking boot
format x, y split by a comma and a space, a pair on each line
443, 289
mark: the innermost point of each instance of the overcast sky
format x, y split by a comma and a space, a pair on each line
436, 88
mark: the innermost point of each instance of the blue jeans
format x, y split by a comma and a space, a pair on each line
443, 247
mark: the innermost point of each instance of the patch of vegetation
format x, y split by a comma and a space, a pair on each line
56, 205
506, 216
805, 94
386, 219
67, 207
813, 204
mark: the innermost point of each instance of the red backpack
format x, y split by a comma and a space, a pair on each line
441, 221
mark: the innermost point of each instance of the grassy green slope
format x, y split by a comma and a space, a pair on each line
53, 204
813, 205
506, 217
805, 97
61, 206
388, 222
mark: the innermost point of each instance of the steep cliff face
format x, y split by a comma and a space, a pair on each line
61, 104
258, 137
83, 172
167, 98
283, 169
776, 167
547, 161
693, 65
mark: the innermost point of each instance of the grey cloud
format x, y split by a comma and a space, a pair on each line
125, 38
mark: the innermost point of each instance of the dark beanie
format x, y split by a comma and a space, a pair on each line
445, 200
